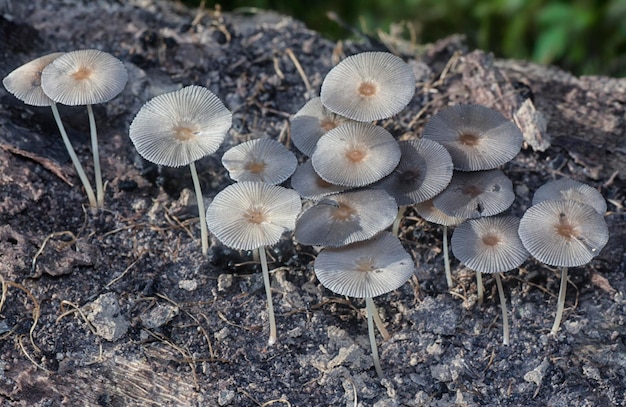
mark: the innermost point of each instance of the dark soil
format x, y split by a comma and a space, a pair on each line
118, 307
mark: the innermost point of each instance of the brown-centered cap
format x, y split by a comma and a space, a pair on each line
260, 160
25, 81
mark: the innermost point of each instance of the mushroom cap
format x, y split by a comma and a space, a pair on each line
355, 154
260, 160
365, 269
24, 82
563, 233
84, 77
368, 86
344, 218
424, 170
310, 185
180, 127
489, 245
310, 123
430, 213
567, 188
475, 194
248, 215
478, 138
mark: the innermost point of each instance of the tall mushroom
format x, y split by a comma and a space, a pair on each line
85, 77
365, 270
251, 215
178, 128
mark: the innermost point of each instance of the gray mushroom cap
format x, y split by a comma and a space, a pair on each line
567, 188
260, 160
490, 244
477, 138
475, 194
180, 127
310, 185
84, 77
430, 213
347, 217
248, 215
366, 269
368, 86
563, 233
24, 82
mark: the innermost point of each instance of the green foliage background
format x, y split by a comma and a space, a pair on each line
582, 36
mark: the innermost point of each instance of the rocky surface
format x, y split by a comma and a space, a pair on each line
118, 307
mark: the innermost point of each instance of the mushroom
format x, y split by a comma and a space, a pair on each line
429, 212
355, 154
490, 245
365, 270
261, 160
475, 194
567, 188
310, 123
310, 185
368, 86
25, 84
85, 77
251, 215
478, 138
178, 128
344, 218
563, 233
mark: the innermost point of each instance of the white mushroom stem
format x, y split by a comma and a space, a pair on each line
446, 258
268, 292
371, 310
395, 229
561, 302
381, 327
204, 229
505, 318
79, 168
479, 286
96, 157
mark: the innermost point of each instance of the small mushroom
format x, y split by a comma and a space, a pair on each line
25, 84
365, 270
569, 189
85, 77
368, 86
344, 218
178, 128
355, 154
563, 233
251, 215
490, 245
310, 185
478, 138
260, 160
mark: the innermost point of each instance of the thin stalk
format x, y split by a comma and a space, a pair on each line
79, 168
268, 292
561, 302
371, 310
204, 229
381, 327
446, 258
396, 223
505, 318
96, 157
479, 286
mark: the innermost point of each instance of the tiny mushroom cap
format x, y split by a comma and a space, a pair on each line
490, 244
25, 81
368, 86
355, 154
260, 160
425, 169
430, 213
563, 233
310, 185
344, 218
249, 215
567, 188
84, 77
365, 269
475, 194
180, 127
310, 123
478, 138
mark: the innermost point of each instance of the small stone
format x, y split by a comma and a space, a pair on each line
188, 285
104, 315
225, 397
224, 282
158, 316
